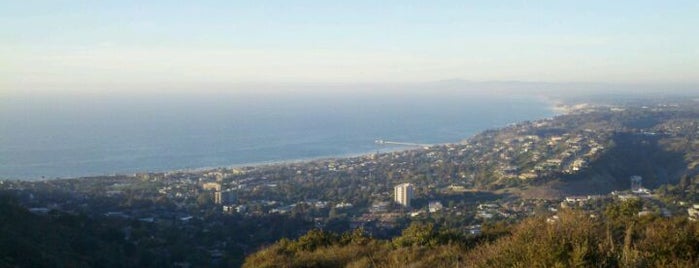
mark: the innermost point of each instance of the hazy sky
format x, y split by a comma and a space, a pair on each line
56, 43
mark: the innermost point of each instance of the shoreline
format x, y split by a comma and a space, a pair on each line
270, 163
259, 164
556, 107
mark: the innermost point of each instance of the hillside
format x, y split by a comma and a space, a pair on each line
594, 149
591, 150
216, 217
62, 240
572, 240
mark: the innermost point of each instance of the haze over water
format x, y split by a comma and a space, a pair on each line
85, 86
71, 136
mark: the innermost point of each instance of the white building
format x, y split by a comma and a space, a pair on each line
403, 193
434, 206
693, 212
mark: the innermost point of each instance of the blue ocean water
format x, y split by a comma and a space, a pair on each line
52, 136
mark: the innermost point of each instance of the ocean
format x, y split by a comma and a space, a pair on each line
75, 135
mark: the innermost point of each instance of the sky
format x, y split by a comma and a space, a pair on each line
98, 44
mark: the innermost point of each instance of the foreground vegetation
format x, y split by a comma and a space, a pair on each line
617, 237
573, 239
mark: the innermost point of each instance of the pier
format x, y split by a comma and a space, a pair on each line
385, 142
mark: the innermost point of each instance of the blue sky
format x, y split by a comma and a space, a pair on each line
83, 43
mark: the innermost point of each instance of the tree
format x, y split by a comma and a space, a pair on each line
619, 213
417, 234
205, 199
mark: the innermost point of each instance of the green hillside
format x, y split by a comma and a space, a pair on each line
572, 240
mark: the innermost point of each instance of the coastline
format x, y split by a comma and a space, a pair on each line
553, 106
557, 105
260, 164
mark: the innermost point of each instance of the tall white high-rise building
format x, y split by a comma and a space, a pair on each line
403, 193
